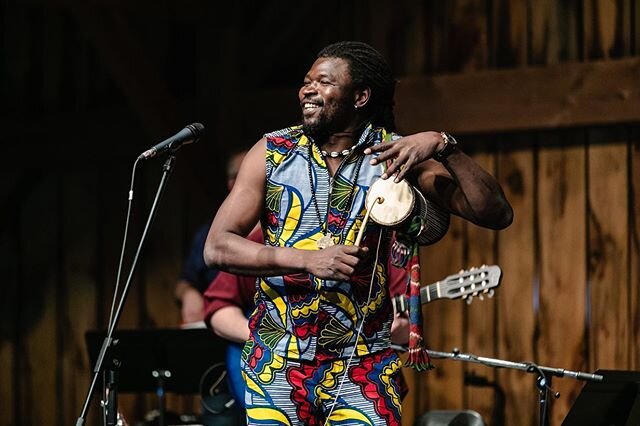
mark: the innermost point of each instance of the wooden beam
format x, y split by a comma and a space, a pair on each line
564, 95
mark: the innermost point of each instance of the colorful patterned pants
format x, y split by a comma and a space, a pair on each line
282, 391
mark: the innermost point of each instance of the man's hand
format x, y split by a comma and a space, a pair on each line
406, 152
400, 329
337, 262
192, 306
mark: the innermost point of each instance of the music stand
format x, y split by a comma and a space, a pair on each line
157, 360
186, 353
613, 402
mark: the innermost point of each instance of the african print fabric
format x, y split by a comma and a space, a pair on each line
282, 391
300, 316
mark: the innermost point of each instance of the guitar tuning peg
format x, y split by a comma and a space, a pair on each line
491, 293
483, 265
483, 274
469, 300
480, 296
460, 272
464, 296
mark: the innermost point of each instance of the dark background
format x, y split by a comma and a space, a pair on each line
544, 94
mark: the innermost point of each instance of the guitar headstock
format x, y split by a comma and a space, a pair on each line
466, 284
470, 283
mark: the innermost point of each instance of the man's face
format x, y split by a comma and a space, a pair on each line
327, 97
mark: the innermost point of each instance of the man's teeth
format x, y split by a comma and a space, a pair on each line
310, 106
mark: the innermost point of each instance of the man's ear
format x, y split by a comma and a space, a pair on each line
361, 97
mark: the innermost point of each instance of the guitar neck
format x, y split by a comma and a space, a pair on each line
466, 285
428, 293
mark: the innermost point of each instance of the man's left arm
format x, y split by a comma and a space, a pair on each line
457, 183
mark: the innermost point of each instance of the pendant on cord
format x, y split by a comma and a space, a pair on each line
325, 241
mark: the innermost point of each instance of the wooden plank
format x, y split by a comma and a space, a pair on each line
410, 404
634, 247
561, 210
635, 37
441, 388
414, 38
569, 26
609, 335
543, 44
79, 239
599, 28
515, 297
39, 360
9, 381
571, 94
467, 42
480, 324
509, 41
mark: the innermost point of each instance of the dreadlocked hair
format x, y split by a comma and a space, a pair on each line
368, 69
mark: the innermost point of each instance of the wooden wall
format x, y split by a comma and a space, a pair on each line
89, 85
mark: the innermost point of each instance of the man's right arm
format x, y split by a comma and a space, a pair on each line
227, 248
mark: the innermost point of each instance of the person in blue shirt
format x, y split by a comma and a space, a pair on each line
196, 275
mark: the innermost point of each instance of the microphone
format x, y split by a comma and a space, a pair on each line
191, 133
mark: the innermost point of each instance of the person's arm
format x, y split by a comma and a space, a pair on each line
193, 280
191, 302
230, 323
228, 250
461, 186
228, 299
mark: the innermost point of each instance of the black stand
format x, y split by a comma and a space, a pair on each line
614, 401
161, 376
159, 360
543, 374
110, 403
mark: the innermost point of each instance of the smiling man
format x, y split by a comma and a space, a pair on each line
319, 347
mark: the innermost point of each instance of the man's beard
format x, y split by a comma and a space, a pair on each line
327, 124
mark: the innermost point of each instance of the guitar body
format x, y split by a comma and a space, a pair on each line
234, 372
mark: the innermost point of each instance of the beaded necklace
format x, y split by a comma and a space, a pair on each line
336, 154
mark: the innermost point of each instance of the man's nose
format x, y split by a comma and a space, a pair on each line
310, 88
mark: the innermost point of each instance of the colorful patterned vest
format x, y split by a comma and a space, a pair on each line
300, 316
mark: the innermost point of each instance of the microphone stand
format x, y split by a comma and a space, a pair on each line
110, 404
543, 379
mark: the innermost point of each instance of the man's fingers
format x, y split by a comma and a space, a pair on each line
381, 147
404, 169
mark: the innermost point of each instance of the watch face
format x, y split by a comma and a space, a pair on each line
451, 140
449, 146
